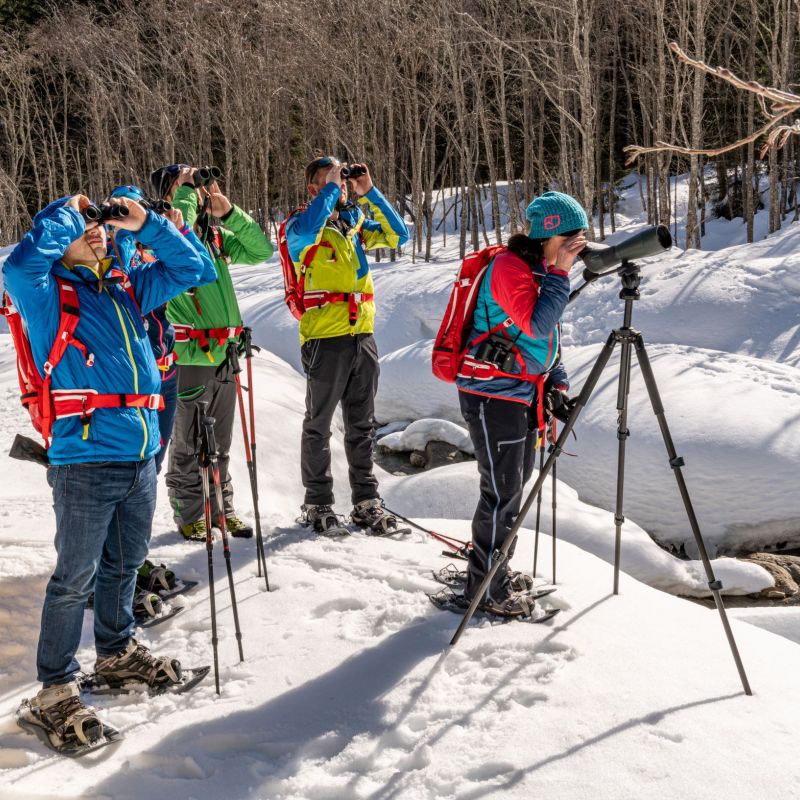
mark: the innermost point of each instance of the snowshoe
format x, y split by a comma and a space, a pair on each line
518, 605
149, 610
323, 520
162, 581
63, 723
375, 519
136, 668
451, 575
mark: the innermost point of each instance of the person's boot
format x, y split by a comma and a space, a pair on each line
323, 520
136, 664
371, 515
59, 709
194, 531
237, 528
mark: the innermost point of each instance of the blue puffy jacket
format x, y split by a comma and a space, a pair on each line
533, 305
110, 326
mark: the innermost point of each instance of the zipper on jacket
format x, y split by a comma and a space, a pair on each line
133, 365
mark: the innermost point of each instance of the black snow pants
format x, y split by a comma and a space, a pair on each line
504, 449
340, 368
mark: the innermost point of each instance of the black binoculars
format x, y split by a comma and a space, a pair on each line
206, 175
104, 212
159, 206
499, 351
353, 170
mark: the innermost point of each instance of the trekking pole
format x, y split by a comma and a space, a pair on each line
210, 445
459, 547
203, 461
538, 511
236, 369
555, 468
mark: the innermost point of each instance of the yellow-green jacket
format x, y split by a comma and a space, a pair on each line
336, 258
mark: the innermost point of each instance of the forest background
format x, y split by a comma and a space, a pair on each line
431, 93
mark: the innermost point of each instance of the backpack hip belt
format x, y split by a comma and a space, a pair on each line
318, 299
185, 333
84, 402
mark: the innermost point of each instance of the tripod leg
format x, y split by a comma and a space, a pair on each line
226, 551
556, 449
623, 390
676, 462
210, 552
538, 512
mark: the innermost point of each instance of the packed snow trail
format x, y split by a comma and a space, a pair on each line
349, 688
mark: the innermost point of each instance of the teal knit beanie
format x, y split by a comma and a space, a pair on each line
554, 214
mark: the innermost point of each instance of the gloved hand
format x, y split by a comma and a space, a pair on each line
557, 403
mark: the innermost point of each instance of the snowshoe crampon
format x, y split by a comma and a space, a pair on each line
60, 720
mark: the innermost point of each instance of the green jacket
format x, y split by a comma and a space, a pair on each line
214, 305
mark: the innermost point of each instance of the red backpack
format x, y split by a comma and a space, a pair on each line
292, 287
44, 404
35, 390
451, 342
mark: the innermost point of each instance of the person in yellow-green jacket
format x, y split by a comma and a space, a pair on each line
327, 241
205, 319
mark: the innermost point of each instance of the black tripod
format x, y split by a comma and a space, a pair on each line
629, 338
207, 460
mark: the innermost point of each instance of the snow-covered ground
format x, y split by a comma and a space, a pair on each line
349, 689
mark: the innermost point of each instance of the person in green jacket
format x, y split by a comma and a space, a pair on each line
206, 318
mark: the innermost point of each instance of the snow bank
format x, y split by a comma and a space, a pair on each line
417, 435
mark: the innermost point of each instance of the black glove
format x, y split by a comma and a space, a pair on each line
557, 404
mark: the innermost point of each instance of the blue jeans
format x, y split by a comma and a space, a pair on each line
169, 391
104, 514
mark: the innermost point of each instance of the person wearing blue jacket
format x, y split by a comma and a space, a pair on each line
106, 395
511, 372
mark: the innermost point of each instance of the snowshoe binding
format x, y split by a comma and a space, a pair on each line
63, 723
451, 575
162, 581
149, 610
375, 519
323, 521
518, 605
136, 668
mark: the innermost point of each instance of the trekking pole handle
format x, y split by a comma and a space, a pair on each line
232, 356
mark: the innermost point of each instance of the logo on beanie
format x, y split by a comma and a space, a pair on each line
551, 222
